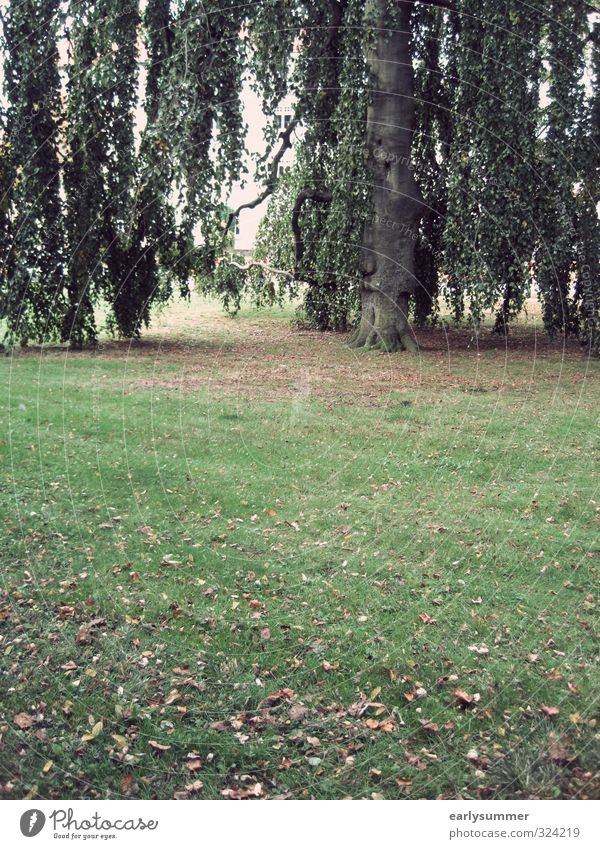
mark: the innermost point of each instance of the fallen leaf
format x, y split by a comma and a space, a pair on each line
280, 695
549, 711
558, 751
243, 793
482, 649
297, 713
158, 747
427, 619
169, 560
23, 721
96, 730
173, 696
127, 783
463, 699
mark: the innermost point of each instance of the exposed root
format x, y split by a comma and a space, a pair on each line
409, 343
389, 343
354, 337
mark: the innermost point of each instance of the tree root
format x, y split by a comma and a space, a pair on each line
392, 342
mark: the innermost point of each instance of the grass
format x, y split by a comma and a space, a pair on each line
281, 560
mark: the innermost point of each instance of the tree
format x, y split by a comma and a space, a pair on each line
388, 247
479, 166
31, 209
450, 153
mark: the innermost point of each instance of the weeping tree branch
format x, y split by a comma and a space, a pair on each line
286, 143
255, 263
306, 194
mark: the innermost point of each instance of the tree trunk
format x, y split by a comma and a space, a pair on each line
390, 235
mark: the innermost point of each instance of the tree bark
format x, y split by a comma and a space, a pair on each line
390, 234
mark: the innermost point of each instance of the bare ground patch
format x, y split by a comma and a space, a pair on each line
195, 348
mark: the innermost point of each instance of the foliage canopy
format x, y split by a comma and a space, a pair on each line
122, 131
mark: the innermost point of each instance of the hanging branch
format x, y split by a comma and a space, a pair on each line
286, 144
255, 263
306, 194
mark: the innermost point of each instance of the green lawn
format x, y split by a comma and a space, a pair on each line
281, 560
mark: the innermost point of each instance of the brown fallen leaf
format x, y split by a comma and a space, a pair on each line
169, 560
243, 793
265, 634
23, 721
281, 695
84, 635
428, 725
549, 711
127, 784
194, 787
191, 682
463, 699
297, 713
427, 619
174, 696
158, 747
558, 751
194, 764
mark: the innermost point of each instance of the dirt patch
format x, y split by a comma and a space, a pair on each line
195, 348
